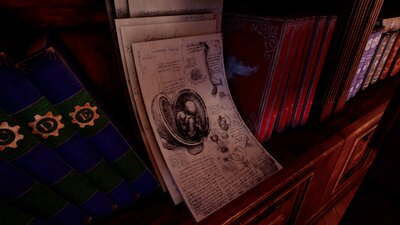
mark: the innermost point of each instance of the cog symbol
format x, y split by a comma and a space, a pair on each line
47, 125
9, 136
84, 115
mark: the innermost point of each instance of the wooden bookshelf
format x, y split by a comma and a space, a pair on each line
313, 156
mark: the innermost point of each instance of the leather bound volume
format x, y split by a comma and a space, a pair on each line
272, 101
390, 24
251, 47
317, 70
382, 60
281, 116
375, 38
26, 193
360, 71
395, 67
53, 77
10, 214
391, 56
24, 103
375, 60
284, 115
307, 74
298, 70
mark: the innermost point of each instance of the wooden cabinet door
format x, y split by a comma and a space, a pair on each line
355, 158
279, 210
321, 170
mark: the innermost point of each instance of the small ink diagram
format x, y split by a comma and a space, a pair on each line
181, 122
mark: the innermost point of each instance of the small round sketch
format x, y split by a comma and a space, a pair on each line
223, 123
196, 74
188, 121
236, 158
193, 72
182, 122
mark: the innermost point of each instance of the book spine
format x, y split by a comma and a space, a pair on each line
359, 72
374, 60
299, 70
10, 214
284, 106
382, 63
391, 56
274, 84
317, 70
23, 150
75, 103
312, 53
23, 102
375, 36
249, 67
385, 52
28, 194
390, 23
395, 67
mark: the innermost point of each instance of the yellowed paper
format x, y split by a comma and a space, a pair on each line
143, 8
138, 33
212, 156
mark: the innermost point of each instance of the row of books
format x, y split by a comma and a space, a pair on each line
172, 58
273, 66
380, 58
62, 161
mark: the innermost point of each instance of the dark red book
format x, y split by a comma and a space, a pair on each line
322, 52
298, 72
316, 41
382, 62
251, 48
391, 56
395, 67
290, 91
272, 101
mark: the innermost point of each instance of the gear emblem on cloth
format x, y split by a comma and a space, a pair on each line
47, 125
84, 115
9, 136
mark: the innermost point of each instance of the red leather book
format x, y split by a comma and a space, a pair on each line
395, 67
375, 61
316, 41
391, 56
251, 48
323, 50
305, 29
272, 101
281, 116
298, 72
382, 62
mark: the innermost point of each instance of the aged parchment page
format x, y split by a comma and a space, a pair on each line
211, 154
143, 8
139, 33
121, 8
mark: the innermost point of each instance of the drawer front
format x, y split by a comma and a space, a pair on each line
357, 158
277, 213
279, 210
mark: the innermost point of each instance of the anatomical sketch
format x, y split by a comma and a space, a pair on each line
210, 153
182, 122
